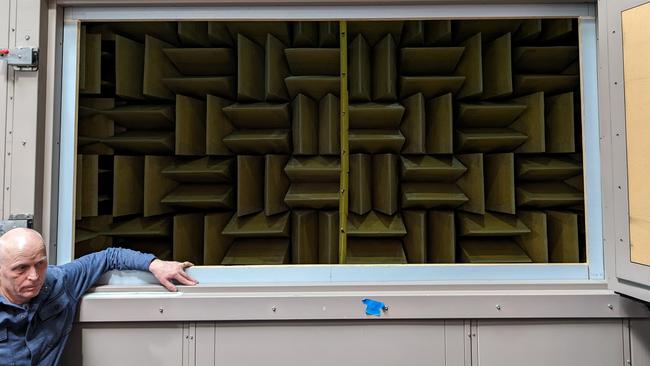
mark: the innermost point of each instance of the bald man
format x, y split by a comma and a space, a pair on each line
38, 302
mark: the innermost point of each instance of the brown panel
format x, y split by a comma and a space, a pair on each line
429, 86
93, 65
304, 237
531, 123
488, 139
560, 125
314, 169
360, 184
497, 68
202, 170
188, 238
376, 141
328, 237
313, 61
359, 70
159, 226
535, 243
429, 60
201, 196
563, 240
472, 183
385, 177
376, 115
276, 69
258, 142
431, 168
413, 125
202, 61
547, 194
437, 32
257, 30
376, 224
439, 125
415, 241
375, 31
259, 115
500, 183
215, 244
217, 126
276, 184
78, 188
375, 251
250, 70
491, 251
431, 195
529, 30
413, 33
441, 236
258, 225
143, 142
128, 188
201, 86
219, 35
313, 195
129, 61
190, 126
257, 252
328, 126
156, 67
141, 117
471, 67
90, 185
157, 186
305, 125
250, 192
490, 224
384, 70
328, 34
314, 86
305, 34
193, 34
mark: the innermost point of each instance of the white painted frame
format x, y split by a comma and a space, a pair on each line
593, 270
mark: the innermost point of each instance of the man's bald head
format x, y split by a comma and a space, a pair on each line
19, 239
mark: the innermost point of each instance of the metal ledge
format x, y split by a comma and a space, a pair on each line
343, 301
303, 2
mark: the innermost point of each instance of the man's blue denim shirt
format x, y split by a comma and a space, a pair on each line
36, 333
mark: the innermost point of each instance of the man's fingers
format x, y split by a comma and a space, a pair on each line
168, 285
187, 264
184, 280
184, 274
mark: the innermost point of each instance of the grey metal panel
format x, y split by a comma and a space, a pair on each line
350, 343
455, 343
314, 2
552, 342
23, 142
640, 341
131, 344
4, 76
624, 276
205, 303
332, 11
205, 351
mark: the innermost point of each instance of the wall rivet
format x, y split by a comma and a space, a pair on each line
498, 307
161, 310
610, 306
27, 37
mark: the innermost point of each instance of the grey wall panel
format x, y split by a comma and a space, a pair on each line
127, 344
550, 342
333, 343
640, 341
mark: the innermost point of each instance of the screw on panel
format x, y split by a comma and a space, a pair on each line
27, 37
498, 307
610, 306
161, 310
274, 309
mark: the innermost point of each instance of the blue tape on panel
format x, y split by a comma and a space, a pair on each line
373, 307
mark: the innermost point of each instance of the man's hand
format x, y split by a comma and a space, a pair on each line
166, 271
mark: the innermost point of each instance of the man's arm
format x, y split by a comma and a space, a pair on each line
82, 273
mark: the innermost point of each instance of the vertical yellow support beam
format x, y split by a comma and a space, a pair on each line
345, 162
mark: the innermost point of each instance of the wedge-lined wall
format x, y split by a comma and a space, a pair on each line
219, 142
